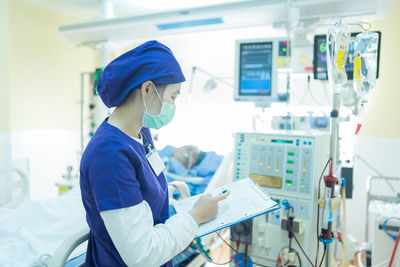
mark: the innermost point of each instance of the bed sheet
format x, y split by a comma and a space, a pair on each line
38, 228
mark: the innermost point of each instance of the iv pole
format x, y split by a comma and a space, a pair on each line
334, 138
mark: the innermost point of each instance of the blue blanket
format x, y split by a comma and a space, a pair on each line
204, 169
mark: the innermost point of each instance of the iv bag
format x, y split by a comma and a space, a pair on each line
337, 40
365, 63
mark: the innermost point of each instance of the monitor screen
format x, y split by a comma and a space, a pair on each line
255, 69
96, 78
320, 57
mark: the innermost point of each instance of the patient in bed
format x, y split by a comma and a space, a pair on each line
190, 161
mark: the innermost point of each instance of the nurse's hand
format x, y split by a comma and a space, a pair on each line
206, 207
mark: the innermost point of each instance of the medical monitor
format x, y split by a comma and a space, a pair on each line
255, 73
96, 78
320, 57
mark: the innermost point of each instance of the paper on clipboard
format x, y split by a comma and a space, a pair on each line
245, 201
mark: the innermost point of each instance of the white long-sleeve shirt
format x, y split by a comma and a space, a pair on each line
139, 243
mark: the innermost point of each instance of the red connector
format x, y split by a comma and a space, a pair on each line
358, 128
339, 236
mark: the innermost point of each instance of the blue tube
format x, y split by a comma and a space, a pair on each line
394, 237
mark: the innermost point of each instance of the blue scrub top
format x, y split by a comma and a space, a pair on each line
115, 174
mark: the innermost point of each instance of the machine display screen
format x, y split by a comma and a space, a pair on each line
96, 78
255, 69
320, 57
280, 141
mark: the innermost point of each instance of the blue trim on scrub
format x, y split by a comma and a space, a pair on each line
115, 174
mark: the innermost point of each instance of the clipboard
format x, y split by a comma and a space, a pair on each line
245, 201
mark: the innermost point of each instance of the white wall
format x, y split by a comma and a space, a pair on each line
5, 137
42, 105
381, 114
44, 70
5, 164
48, 153
4, 67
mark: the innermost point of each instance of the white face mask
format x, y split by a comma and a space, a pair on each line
157, 121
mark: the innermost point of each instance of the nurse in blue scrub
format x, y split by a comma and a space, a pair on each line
124, 190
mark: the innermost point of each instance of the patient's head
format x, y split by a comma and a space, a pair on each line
188, 155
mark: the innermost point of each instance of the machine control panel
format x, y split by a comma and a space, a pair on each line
287, 166
281, 163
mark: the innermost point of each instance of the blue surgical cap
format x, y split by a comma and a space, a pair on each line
151, 61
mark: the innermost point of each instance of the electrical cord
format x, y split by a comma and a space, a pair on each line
298, 256
280, 255
298, 243
295, 238
290, 245
290, 250
245, 255
238, 253
208, 258
323, 256
319, 195
346, 260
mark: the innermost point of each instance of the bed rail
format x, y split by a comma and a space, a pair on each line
62, 253
23, 183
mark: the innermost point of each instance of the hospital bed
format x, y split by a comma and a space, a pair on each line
62, 256
223, 175
382, 218
16, 191
31, 233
